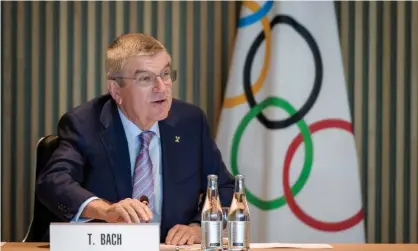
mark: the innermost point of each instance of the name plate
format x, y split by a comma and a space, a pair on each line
104, 236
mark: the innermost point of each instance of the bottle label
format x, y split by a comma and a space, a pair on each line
212, 233
238, 233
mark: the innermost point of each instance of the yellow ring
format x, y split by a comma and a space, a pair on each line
240, 99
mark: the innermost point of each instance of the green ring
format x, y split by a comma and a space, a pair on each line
300, 183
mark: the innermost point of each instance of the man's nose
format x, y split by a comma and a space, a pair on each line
159, 85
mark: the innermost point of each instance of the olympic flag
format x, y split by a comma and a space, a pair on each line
285, 124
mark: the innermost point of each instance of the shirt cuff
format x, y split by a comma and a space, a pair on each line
77, 218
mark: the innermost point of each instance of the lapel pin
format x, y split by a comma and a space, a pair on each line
177, 139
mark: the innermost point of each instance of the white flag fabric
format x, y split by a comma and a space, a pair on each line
285, 125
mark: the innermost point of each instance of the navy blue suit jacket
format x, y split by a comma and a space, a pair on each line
93, 160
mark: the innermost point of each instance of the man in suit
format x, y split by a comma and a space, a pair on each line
136, 141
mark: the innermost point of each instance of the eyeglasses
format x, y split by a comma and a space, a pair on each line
147, 78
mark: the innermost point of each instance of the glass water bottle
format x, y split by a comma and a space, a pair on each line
239, 218
212, 217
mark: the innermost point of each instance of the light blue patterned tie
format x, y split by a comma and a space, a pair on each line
143, 176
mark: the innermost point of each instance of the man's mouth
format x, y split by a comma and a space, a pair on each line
159, 101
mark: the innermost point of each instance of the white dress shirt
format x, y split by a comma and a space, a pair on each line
132, 133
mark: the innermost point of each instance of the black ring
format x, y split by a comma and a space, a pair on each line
318, 73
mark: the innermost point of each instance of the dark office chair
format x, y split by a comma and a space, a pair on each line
41, 215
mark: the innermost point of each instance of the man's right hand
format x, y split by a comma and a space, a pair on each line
127, 211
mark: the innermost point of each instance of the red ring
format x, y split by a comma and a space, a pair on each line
294, 207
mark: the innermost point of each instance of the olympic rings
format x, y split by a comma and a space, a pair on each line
289, 195
260, 14
300, 183
318, 74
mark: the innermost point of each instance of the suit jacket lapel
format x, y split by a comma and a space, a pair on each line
167, 132
114, 141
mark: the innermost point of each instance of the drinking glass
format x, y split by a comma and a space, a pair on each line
225, 211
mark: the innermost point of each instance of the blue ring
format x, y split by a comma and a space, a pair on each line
256, 16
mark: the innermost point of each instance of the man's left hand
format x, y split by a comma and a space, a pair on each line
182, 234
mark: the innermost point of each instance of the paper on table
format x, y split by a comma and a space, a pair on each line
2, 243
289, 245
252, 245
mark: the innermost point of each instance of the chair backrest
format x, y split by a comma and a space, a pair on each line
41, 215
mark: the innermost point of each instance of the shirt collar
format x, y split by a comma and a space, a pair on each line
132, 130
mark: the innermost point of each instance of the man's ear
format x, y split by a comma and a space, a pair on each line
114, 90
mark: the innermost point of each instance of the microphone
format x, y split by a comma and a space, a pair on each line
144, 199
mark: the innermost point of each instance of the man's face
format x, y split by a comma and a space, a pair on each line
147, 98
